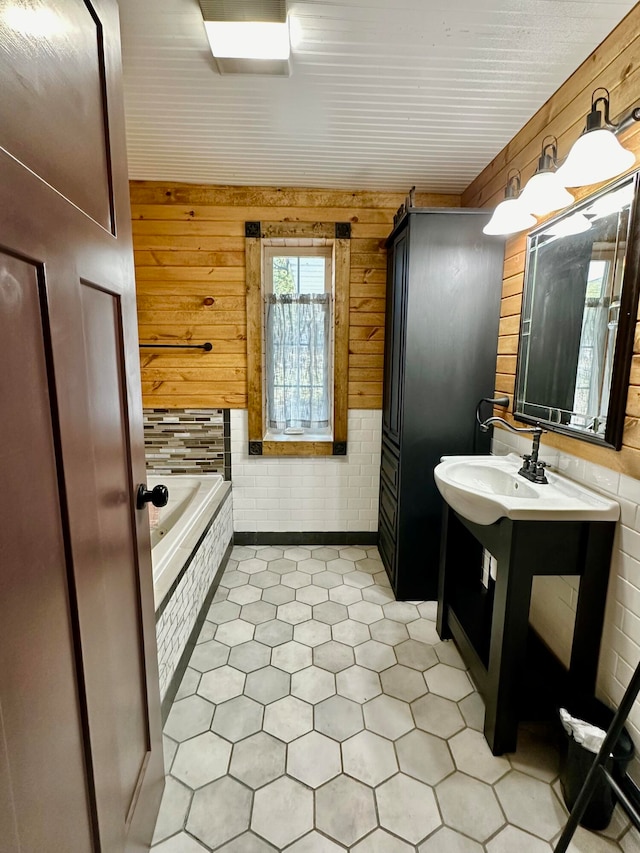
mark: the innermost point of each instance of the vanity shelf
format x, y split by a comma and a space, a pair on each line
490, 626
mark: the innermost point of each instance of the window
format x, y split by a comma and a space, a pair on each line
297, 337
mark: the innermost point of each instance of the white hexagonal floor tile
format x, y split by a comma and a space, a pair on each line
288, 718
235, 578
238, 718
327, 579
312, 594
403, 683
350, 633
388, 717
358, 684
325, 554
423, 630
180, 843
282, 811
345, 810
223, 611
258, 611
206, 632
258, 759
265, 579
202, 759
351, 553
381, 842
375, 655
469, 806
313, 759
472, 709
221, 684
330, 612
282, 567
312, 566
313, 842
407, 808
378, 594
312, 633
448, 682
176, 800
359, 579
530, 804
249, 656
273, 633
369, 758
294, 612
345, 594
338, 718
189, 684
538, 752
365, 611
447, 840
209, 655
253, 566
437, 715
269, 553
401, 611
511, 838
219, 811
313, 684
242, 552
341, 566
390, 632
247, 843
296, 580
267, 684
278, 594
472, 756
291, 656
234, 633
417, 655
189, 717
369, 565
333, 656
245, 594
448, 653
297, 554
424, 756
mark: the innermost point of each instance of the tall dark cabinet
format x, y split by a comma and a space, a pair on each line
444, 285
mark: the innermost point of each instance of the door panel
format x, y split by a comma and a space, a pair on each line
124, 689
65, 95
44, 771
99, 756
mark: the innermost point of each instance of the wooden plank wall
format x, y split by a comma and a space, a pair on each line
615, 64
189, 247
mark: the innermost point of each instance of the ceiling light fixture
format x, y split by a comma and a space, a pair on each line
545, 191
597, 155
248, 37
510, 216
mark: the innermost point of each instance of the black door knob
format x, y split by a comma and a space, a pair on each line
158, 496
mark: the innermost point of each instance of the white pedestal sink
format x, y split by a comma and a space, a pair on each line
486, 488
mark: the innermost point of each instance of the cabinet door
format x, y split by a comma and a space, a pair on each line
394, 339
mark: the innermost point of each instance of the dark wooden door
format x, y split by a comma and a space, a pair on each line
80, 733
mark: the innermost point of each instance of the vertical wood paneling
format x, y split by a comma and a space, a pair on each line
189, 250
616, 65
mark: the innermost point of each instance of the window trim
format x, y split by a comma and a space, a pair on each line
339, 233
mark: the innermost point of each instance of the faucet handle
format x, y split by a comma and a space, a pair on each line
539, 473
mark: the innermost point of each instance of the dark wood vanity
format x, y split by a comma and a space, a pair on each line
490, 625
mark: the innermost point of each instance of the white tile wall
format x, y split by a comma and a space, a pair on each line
334, 493
554, 599
179, 616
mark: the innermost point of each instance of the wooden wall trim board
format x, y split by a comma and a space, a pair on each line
189, 245
615, 64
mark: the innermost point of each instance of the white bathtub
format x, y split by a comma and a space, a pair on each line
175, 532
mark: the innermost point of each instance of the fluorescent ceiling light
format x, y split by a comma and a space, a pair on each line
248, 39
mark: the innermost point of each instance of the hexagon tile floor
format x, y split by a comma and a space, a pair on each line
320, 715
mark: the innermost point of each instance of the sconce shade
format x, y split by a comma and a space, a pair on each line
595, 156
543, 193
508, 218
576, 224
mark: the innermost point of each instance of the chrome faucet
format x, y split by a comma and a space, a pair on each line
532, 468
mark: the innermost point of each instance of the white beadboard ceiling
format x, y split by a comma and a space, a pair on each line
383, 94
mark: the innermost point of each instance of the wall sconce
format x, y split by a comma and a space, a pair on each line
510, 216
545, 191
597, 155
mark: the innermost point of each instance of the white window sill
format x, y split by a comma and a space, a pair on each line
306, 436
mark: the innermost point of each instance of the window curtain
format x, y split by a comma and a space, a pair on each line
298, 348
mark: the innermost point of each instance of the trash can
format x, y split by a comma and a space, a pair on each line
577, 762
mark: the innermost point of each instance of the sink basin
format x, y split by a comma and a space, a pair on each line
486, 488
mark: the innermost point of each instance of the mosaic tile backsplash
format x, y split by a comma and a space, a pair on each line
187, 441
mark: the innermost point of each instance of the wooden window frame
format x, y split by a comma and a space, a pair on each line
339, 233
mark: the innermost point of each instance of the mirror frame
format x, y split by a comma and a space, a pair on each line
623, 352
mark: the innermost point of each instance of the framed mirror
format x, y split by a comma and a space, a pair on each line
579, 310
